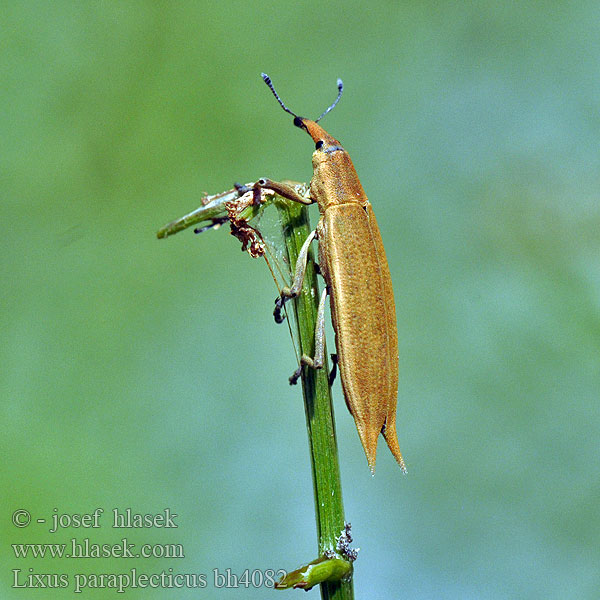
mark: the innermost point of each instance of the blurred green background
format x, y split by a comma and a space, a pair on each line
149, 374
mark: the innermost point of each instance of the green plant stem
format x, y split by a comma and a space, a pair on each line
327, 485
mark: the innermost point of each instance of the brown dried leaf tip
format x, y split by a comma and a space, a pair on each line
251, 239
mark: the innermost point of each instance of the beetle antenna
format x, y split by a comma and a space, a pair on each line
267, 80
340, 87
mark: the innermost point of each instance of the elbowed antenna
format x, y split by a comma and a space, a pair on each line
268, 81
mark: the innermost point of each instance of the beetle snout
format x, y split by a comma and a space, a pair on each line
321, 138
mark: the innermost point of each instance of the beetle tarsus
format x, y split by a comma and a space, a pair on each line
333, 372
214, 223
278, 310
241, 188
286, 294
296, 375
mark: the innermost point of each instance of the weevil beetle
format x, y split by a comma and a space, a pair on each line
353, 263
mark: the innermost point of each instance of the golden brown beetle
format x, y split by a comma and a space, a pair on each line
352, 261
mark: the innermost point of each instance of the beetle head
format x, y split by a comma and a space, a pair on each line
322, 139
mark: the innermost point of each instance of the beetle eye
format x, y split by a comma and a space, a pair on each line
319, 144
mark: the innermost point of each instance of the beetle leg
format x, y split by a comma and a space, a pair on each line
294, 291
287, 191
283, 189
319, 360
300, 267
